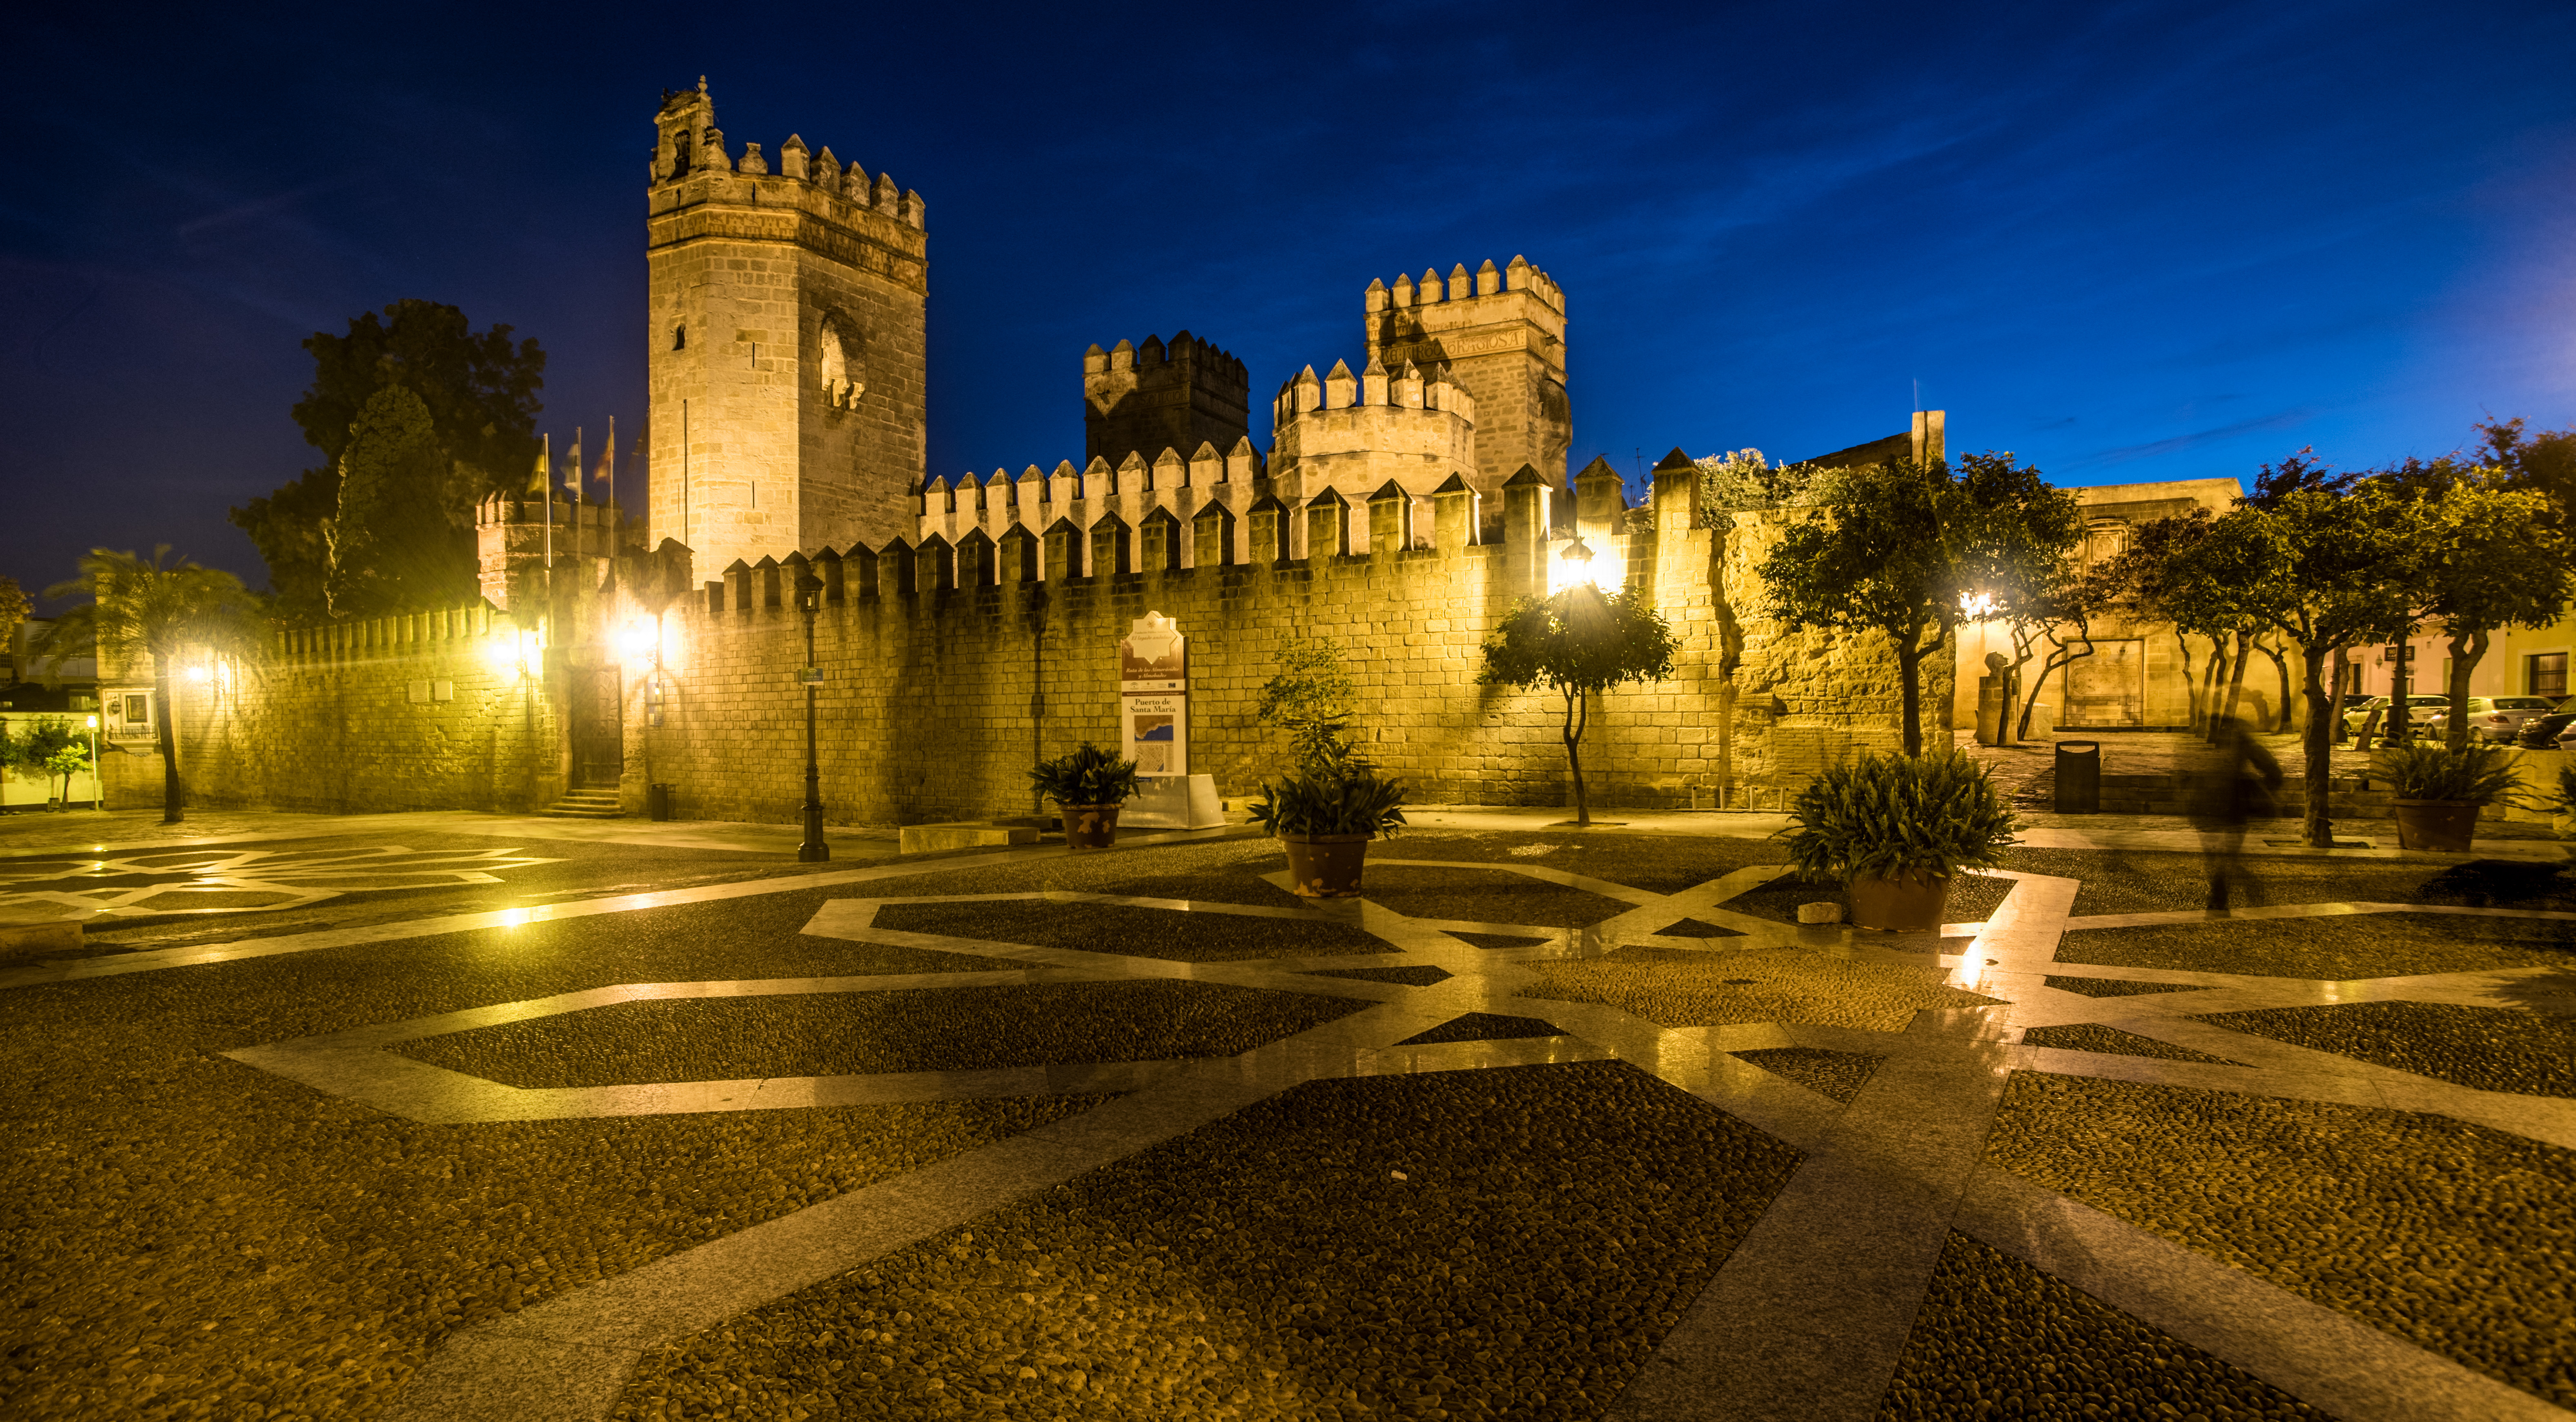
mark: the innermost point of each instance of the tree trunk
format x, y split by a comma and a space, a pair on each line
2466, 650
174, 795
2399, 733
2215, 674
2342, 689
2236, 672
2055, 664
2188, 684
2317, 751
1909, 662
1576, 715
2281, 664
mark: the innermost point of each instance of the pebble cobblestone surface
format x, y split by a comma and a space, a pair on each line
1123, 928
1353, 1248
927, 1029
1686, 987
2459, 1239
1839, 1075
2371, 945
1997, 1337
1972, 897
1484, 1027
2111, 1041
2486, 1048
2116, 987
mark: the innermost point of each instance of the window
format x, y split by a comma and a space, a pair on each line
680, 338
2546, 673
138, 710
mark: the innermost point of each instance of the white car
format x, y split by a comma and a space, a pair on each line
2492, 718
2417, 709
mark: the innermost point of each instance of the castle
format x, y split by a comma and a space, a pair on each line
788, 379
957, 629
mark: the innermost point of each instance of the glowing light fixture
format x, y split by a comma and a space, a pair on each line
1574, 565
200, 674
1977, 607
636, 638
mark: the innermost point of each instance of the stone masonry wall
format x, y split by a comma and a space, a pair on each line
937, 698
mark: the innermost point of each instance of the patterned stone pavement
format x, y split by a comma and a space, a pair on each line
2188, 1203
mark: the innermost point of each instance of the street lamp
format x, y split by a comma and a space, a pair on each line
809, 600
97, 795
1576, 567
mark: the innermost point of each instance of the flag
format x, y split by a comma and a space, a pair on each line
572, 465
541, 478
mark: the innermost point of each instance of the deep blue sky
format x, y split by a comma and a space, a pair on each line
2130, 242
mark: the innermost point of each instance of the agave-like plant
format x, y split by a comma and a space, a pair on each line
1322, 802
1888, 816
2479, 775
1086, 776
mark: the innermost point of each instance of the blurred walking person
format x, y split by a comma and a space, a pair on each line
2237, 780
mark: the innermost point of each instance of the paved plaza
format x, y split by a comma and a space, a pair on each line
448, 1116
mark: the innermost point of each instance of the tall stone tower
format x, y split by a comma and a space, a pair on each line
1147, 399
787, 375
1501, 335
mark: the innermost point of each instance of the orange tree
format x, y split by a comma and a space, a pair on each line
1576, 643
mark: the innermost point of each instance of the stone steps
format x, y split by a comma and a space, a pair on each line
586, 805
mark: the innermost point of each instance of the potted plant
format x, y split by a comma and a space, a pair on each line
1326, 817
1897, 829
2439, 792
1088, 784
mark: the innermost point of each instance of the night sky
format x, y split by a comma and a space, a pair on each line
2130, 242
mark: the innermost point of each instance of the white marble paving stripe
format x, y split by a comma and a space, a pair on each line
2324, 1358
157, 958
1806, 1319
1541, 872
569, 1357
2318, 910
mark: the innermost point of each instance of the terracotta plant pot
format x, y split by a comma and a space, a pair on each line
1089, 826
2442, 825
1909, 903
1326, 866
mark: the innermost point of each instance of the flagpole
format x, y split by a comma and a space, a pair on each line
616, 516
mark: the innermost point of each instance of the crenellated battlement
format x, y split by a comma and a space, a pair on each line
692, 147
1208, 486
1460, 286
519, 536
1152, 397
1499, 332
1359, 435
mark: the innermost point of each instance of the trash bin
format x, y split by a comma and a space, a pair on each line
2079, 777
657, 802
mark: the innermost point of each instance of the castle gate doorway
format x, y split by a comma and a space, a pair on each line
2109, 688
598, 743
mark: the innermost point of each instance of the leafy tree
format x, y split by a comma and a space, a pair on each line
139, 608
480, 389
391, 543
14, 607
1745, 479
2543, 464
2326, 570
2493, 557
2059, 613
1578, 642
48, 748
1312, 697
1895, 547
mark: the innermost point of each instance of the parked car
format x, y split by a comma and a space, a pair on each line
2417, 708
2492, 718
2555, 728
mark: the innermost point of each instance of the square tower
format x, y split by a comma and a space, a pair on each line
1501, 335
1146, 399
787, 376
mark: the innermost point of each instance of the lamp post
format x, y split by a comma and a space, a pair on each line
809, 598
97, 796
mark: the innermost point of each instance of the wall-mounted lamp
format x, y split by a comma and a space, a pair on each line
1573, 566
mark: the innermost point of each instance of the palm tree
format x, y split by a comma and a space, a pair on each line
139, 607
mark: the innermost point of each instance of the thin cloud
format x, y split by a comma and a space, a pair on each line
2127, 452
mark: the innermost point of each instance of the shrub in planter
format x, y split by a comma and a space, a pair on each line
1897, 829
2439, 792
1326, 820
1088, 784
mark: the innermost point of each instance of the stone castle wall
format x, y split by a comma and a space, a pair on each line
944, 680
